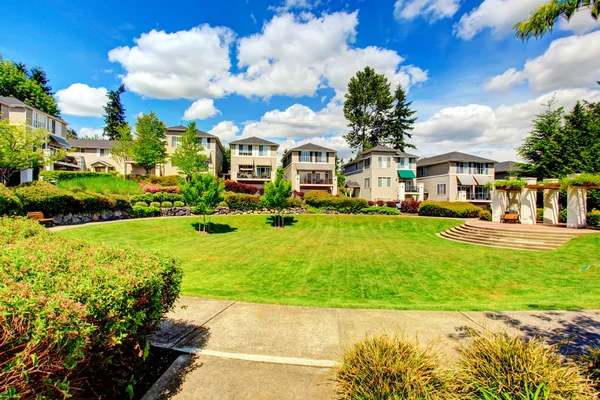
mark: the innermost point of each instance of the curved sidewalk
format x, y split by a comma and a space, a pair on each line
263, 351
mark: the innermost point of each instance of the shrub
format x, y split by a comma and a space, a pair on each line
384, 367
166, 204
145, 211
503, 366
371, 203
237, 187
294, 202
593, 218
298, 194
562, 216
155, 204
120, 202
93, 202
47, 198
242, 202
340, 204
380, 210
410, 206
48, 175
56, 325
104, 184
390, 204
485, 215
178, 204
9, 202
159, 196
539, 215
590, 363
140, 204
169, 180
448, 209
380, 203
151, 188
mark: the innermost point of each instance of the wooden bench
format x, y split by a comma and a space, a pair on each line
39, 217
511, 216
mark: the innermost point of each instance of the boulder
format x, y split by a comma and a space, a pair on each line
58, 219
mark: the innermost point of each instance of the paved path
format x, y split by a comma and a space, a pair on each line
260, 351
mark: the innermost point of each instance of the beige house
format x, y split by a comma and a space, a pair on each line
211, 144
311, 167
17, 112
253, 161
456, 176
383, 173
94, 155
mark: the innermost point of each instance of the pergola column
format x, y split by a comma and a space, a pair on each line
576, 207
499, 204
551, 208
529, 203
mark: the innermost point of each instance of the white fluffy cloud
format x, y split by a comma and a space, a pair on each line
82, 100
185, 64
200, 109
295, 4
94, 133
431, 10
568, 62
226, 131
580, 23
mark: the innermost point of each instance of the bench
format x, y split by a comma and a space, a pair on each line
39, 217
511, 216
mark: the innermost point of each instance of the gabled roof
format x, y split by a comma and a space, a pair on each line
311, 147
181, 128
254, 140
91, 143
506, 166
379, 149
453, 156
14, 102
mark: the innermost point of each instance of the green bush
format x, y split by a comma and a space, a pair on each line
120, 202
178, 204
104, 184
155, 204
9, 202
448, 209
485, 215
593, 218
380, 210
562, 216
500, 366
48, 175
294, 203
69, 307
145, 211
539, 215
140, 204
93, 202
341, 204
384, 367
159, 196
242, 202
47, 198
166, 204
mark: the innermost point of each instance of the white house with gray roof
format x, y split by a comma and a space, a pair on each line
311, 167
456, 176
253, 161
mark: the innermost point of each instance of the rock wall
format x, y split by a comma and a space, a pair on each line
227, 211
176, 212
74, 219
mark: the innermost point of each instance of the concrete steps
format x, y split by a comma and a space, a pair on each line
507, 238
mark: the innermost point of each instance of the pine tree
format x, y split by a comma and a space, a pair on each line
114, 113
149, 148
188, 157
39, 75
401, 122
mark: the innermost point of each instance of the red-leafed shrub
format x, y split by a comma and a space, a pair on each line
410, 206
380, 203
238, 187
341, 204
151, 188
243, 202
371, 203
390, 204
298, 194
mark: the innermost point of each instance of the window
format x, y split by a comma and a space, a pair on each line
321, 157
53, 127
174, 141
367, 163
40, 121
403, 163
103, 153
367, 183
384, 182
263, 151
384, 162
305, 156
462, 168
245, 150
423, 171
80, 150
263, 172
441, 188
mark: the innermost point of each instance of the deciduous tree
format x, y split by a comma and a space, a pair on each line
188, 157
122, 149
205, 192
276, 196
114, 113
149, 148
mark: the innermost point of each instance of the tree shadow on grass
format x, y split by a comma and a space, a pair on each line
288, 220
214, 228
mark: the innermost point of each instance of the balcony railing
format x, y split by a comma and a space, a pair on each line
476, 196
411, 189
308, 180
251, 175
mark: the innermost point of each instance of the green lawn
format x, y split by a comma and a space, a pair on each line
363, 262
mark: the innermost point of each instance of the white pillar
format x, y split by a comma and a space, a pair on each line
529, 203
297, 183
576, 207
551, 208
498, 205
234, 176
334, 189
401, 191
421, 189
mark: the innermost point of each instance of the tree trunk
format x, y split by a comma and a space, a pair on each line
204, 227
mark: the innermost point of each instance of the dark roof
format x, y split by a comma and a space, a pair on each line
91, 143
453, 156
363, 155
254, 140
181, 128
352, 184
12, 101
60, 140
311, 147
506, 166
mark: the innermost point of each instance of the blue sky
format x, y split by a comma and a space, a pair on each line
279, 69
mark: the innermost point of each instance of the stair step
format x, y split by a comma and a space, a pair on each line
507, 235
495, 239
515, 246
520, 231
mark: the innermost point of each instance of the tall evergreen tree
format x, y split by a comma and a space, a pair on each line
149, 148
71, 134
39, 75
188, 157
401, 122
114, 113
367, 108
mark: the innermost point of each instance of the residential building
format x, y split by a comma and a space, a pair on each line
383, 173
311, 167
253, 161
456, 176
213, 149
94, 155
18, 112
505, 170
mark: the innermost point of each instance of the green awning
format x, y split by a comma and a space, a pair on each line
406, 174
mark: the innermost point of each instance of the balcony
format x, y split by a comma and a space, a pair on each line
411, 189
309, 180
254, 176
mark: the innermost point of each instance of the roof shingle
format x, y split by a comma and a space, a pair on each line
254, 140
453, 156
91, 143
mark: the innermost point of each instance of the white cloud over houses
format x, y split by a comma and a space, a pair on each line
226, 131
82, 100
90, 133
201, 109
569, 62
431, 10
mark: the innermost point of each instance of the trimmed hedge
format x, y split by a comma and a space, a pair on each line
380, 210
144, 211
160, 197
48, 175
448, 209
166, 204
485, 215
410, 206
340, 204
9, 202
237, 187
47, 198
294, 202
243, 202
155, 204
178, 204
68, 306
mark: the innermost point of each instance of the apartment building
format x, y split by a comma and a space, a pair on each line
94, 155
213, 149
253, 161
18, 112
383, 173
456, 176
311, 167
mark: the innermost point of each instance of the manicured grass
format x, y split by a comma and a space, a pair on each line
363, 262
101, 184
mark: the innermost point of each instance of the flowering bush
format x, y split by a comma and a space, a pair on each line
67, 306
372, 203
410, 206
150, 188
237, 187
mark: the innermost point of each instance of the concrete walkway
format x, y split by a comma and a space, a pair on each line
259, 351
